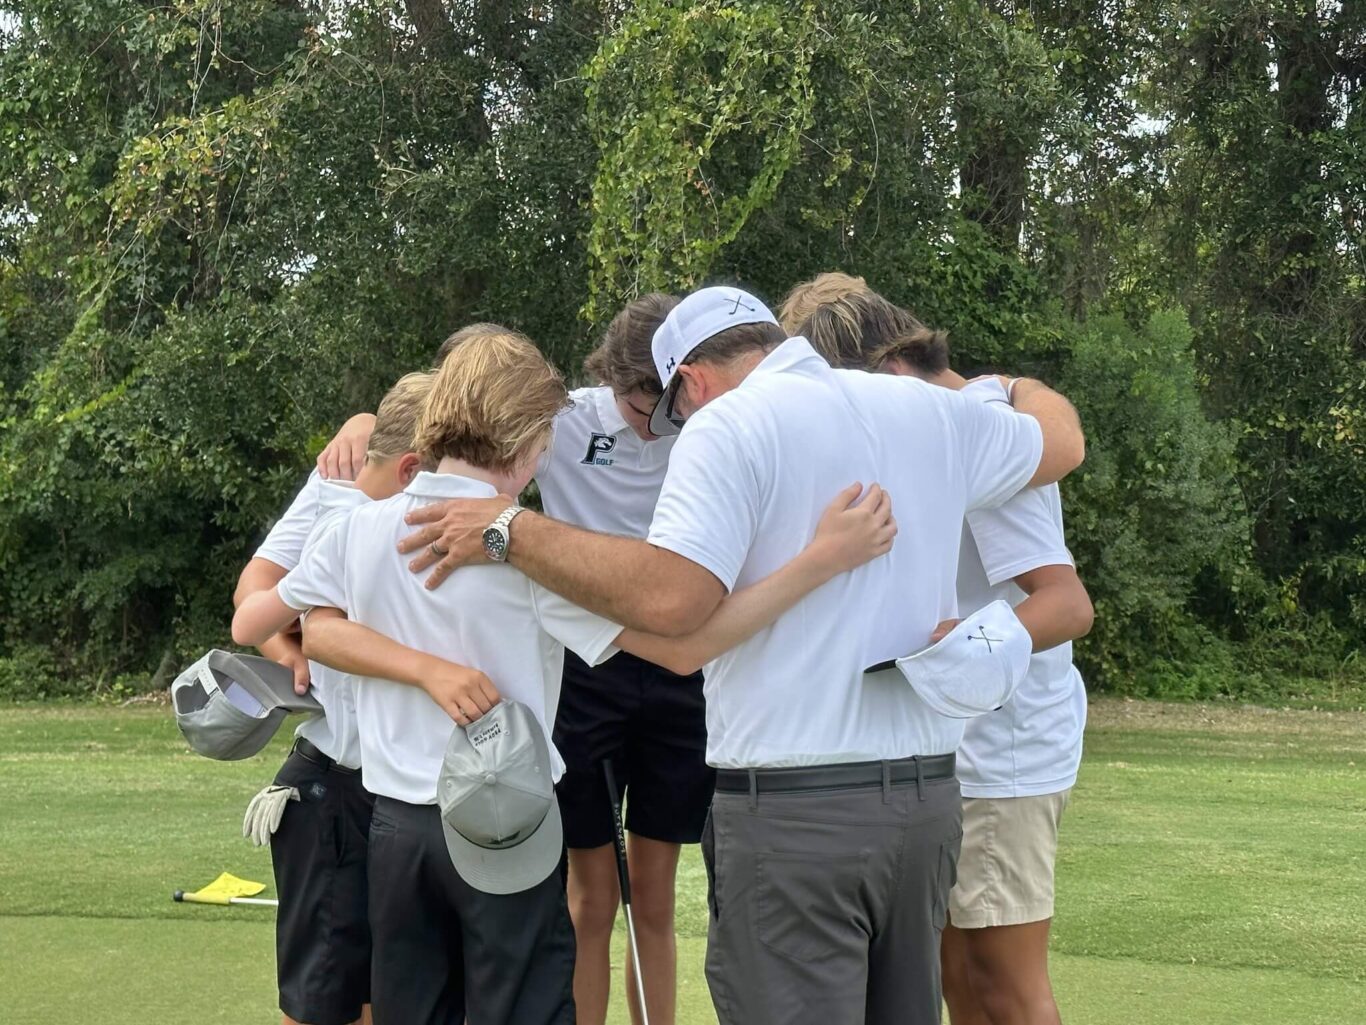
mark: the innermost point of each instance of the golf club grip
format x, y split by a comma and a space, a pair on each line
618, 832
178, 896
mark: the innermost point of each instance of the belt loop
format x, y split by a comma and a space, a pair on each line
886, 782
919, 778
753, 790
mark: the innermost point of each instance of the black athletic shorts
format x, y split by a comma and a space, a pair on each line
652, 724
444, 949
322, 928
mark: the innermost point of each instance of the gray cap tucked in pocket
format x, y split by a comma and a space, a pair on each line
228, 706
497, 798
975, 668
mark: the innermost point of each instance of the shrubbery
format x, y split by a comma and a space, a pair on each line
225, 227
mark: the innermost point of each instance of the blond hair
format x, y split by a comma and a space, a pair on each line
848, 330
397, 416
809, 296
492, 401
467, 332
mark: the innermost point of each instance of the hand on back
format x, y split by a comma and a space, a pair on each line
451, 534
853, 529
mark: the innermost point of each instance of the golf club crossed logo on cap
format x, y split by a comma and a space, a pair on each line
740, 301
989, 640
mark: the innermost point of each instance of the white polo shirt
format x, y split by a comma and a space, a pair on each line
597, 472
315, 509
285, 542
748, 479
489, 617
1032, 744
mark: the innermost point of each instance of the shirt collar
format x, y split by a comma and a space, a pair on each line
795, 354
449, 485
340, 494
608, 414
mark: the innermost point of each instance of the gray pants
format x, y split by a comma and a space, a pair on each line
826, 907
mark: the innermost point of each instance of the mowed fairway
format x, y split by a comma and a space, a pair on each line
1212, 870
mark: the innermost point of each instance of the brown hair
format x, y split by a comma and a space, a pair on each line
492, 401
804, 299
845, 330
734, 342
624, 359
397, 416
923, 349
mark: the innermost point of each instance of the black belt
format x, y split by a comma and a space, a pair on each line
309, 752
847, 776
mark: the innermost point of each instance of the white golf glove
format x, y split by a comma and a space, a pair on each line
265, 812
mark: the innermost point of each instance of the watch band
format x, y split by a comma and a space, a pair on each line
504, 519
497, 537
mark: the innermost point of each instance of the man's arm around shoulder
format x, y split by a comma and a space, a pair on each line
1064, 443
628, 581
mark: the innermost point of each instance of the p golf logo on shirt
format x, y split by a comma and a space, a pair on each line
598, 447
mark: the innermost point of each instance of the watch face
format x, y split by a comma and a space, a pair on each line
495, 544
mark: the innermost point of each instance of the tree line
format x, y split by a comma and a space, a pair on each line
227, 224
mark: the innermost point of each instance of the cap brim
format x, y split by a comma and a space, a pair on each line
510, 869
276, 680
664, 422
956, 695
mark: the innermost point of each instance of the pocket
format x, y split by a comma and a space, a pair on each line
709, 863
946, 878
381, 826
299, 772
802, 908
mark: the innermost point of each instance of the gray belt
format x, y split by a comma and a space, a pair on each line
846, 776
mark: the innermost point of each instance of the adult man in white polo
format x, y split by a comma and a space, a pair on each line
836, 820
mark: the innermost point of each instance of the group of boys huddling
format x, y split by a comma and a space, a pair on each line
872, 702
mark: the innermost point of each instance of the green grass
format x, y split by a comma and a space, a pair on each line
1211, 870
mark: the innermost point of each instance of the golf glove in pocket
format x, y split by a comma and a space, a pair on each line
265, 812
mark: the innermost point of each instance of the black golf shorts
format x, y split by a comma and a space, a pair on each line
446, 953
652, 724
322, 929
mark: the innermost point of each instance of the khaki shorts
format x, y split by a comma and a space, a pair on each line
1005, 873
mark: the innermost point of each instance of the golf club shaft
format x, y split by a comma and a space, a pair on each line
624, 879
635, 962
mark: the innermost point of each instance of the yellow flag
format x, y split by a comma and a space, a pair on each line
225, 886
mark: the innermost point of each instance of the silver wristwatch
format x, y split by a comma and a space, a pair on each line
497, 538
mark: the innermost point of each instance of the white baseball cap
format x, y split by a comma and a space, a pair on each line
704, 313
975, 667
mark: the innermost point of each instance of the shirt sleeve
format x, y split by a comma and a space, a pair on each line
708, 509
586, 634
999, 448
320, 577
1021, 535
284, 545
